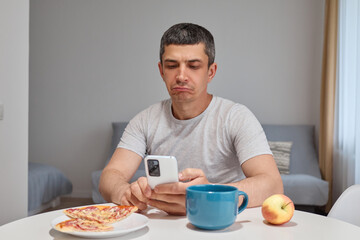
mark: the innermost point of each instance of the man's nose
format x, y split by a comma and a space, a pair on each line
181, 76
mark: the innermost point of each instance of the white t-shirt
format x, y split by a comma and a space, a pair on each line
217, 141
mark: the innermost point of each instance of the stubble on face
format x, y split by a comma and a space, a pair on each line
185, 72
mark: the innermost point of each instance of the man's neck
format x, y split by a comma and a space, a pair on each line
188, 110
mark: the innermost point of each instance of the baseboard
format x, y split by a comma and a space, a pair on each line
312, 209
80, 194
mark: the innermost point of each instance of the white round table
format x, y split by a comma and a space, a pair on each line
249, 225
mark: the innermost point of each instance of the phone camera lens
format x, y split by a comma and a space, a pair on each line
153, 166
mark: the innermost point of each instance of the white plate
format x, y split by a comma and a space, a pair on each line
130, 224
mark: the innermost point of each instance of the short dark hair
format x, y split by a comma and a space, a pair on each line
189, 34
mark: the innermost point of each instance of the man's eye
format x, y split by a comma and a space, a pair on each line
194, 66
171, 66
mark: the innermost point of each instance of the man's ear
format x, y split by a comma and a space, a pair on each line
212, 71
161, 70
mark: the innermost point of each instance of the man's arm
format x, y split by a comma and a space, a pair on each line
262, 179
114, 186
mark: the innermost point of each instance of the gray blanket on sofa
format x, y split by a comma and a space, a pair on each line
45, 183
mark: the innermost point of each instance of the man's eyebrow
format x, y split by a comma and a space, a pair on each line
189, 61
194, 60
170, 61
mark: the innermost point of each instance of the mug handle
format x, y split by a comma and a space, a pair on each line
244, 203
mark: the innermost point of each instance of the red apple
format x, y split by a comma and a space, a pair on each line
278, 209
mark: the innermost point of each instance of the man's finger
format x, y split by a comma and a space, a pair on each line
135, 202
130, 199
137, 192
189, 174
171, 208
144, 186
125, 202
170, 188
126, 197
169, 198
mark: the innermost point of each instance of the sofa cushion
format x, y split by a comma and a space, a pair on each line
303, 157
281, 152
118, 129
305, 189
95, 178
304, 184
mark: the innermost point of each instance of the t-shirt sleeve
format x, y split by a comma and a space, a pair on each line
247, 134
134, 136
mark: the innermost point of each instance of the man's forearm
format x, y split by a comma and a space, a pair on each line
112, 185
259, 187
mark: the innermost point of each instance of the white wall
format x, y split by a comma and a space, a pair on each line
14, 87
94, 62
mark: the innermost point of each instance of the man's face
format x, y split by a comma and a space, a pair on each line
185, 72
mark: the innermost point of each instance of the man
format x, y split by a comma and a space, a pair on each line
213, 139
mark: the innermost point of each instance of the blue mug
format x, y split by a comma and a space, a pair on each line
212, 206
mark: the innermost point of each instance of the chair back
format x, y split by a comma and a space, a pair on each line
347, 207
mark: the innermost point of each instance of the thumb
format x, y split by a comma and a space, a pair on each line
189, 174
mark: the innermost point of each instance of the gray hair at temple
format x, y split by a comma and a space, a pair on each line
189, 34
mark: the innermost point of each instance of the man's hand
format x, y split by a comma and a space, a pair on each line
137, 194
171, 197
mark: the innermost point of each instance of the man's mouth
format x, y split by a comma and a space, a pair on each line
181, 89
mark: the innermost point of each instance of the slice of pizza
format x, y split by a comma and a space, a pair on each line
116, 213
101, 213
80, 225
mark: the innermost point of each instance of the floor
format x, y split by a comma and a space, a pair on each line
68, 202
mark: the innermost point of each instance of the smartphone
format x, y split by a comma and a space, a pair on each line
161, 169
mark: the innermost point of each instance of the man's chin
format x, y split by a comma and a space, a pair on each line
181, 99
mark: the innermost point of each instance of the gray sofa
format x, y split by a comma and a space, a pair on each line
303, 185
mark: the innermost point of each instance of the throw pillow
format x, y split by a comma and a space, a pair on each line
281, 152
